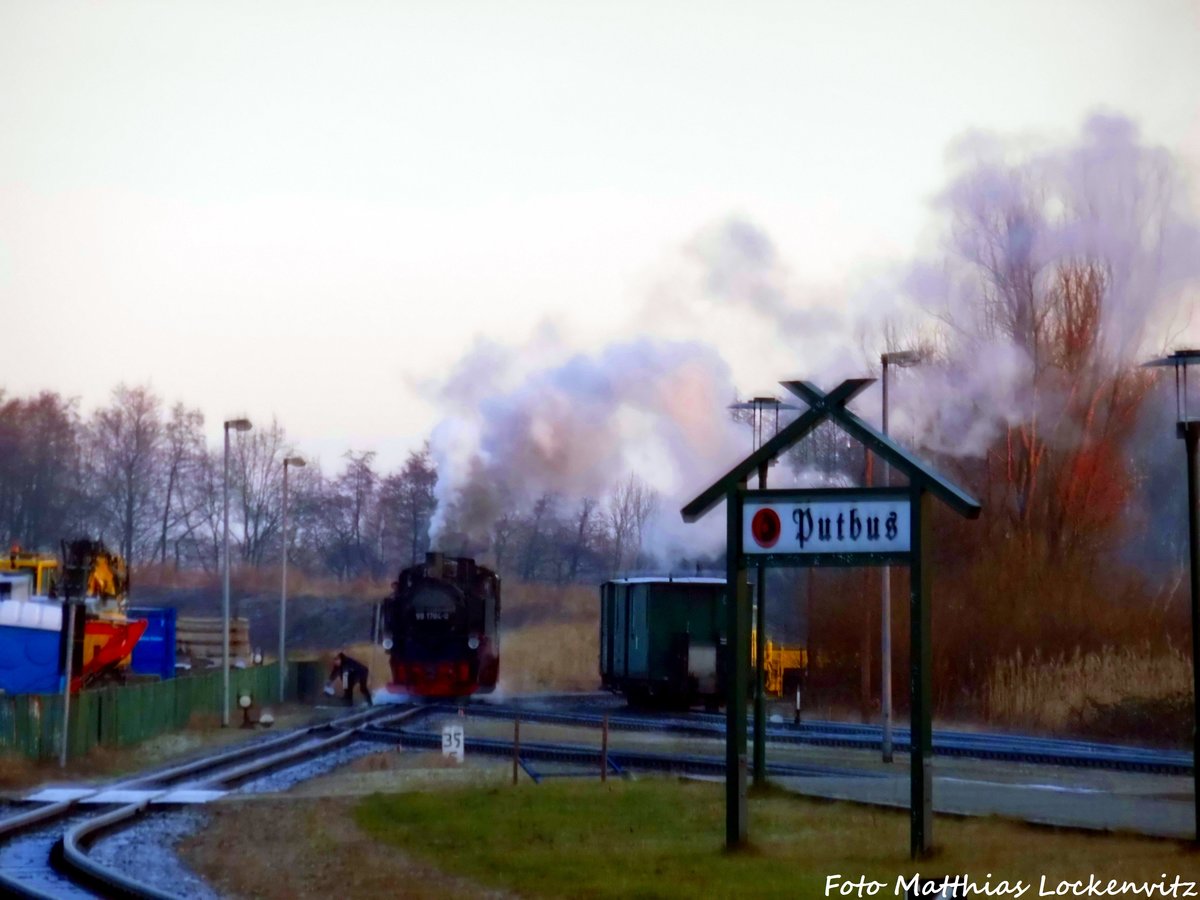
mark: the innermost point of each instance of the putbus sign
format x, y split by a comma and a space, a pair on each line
850, 524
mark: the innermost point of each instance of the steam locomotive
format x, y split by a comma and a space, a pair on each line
443, 622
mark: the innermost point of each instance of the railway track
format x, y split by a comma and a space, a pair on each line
588, 757
972, 745
70, 820
53, 860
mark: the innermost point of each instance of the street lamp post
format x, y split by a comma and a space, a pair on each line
288, 461
236, 425
759, 407
1188, 428
903, 359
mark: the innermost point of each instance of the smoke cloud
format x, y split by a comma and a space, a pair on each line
528, 421
1015, 218
655, 408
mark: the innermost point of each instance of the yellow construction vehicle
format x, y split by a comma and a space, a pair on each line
42, 569
98, 581
107, 576
101, 580
783, 667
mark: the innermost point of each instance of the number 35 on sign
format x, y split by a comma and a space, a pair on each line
452, 741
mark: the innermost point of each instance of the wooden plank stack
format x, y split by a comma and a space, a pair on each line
199, 637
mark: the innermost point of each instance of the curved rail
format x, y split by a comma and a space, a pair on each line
72, 846
68, 851
72, 856
11, 887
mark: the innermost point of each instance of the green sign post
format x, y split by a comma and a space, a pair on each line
829, 527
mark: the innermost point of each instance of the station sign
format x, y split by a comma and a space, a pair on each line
827, 525
807, 527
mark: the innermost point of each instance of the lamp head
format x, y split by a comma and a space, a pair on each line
295, 462
1180, 361
901, 358
1178, 358
245, 701
238, 424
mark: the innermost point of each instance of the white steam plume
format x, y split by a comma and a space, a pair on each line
1016, 219
527, 422
656, 408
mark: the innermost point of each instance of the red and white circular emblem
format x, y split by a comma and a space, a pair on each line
766, 528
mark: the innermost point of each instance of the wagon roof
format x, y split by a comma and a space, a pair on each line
666, 579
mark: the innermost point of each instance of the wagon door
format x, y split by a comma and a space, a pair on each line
606, 627
639, 632
620, 630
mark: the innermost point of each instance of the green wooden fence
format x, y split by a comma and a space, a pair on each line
120, 715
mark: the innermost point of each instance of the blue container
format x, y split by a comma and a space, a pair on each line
30, 646
154, 654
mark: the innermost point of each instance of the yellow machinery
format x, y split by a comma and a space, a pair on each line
782, 666
108, 581
101, 580
43, 569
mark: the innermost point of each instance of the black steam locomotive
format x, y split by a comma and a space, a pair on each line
443, 622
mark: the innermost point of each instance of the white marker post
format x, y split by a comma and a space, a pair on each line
453, 743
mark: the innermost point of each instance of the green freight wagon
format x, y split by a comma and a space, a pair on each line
661, 639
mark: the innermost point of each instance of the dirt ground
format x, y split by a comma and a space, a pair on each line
308, 845
204, 732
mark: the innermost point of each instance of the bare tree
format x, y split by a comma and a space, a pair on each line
503, 532
357, 485
40, 470
183, 449
581, 538
629, 507
537, 527
407, 503
257, 479
124, 440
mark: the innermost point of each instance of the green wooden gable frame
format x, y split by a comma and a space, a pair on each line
832, 406
925, 484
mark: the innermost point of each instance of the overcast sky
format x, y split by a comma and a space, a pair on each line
309, 210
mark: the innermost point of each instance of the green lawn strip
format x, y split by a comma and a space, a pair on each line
664, 838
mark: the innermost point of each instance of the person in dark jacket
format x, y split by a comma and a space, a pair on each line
351, 672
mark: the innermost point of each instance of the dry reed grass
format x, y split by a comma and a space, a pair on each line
525, 603
17, 771
549, 637
558, 656
1061, 693
260, 580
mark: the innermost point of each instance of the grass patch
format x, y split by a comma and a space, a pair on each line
662, 838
